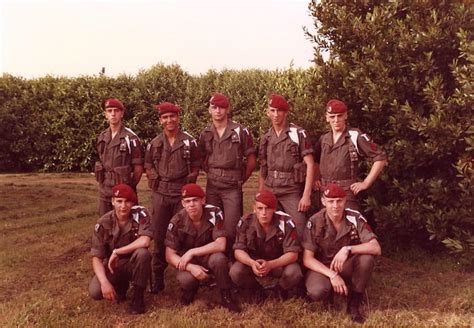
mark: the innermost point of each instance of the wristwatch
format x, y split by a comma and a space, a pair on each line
349, 250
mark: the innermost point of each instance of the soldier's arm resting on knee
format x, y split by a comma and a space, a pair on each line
310, 261
244, 257
284, 260
216, 246
372, 247
108, 291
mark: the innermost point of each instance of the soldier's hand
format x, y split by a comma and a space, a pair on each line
184, 260
112, 262
256, 268
265, 267
304, 204
357, 187
338, 260
198, 272
316, 185
339, 285
108, 291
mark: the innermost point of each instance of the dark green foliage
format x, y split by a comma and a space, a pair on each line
405, 70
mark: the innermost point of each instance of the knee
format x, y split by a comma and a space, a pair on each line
236, 273
292, 274
142, 255
218, 261
365, 262
317, 292
187, 281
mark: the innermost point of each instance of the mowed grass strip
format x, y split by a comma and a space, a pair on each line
45, 268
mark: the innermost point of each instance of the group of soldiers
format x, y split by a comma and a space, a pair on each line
203, 233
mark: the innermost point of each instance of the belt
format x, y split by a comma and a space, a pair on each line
281, 175
225, 172
342, 183
165, 185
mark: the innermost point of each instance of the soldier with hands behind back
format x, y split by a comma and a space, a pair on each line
172, 159
120, 155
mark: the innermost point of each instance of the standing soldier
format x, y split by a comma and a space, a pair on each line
266, 245
171, 161
338, 153
119, 250
339, 250
286, 162
195, 244
229, 159
120, 155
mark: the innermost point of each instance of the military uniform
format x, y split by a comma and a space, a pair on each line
280, 239
171, 168
117, 157
225, 166
108, 236
284, 170
321, 237
183, 236
339, 162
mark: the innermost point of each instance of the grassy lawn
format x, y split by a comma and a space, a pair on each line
46, 222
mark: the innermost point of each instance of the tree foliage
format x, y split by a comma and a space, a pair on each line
405, 69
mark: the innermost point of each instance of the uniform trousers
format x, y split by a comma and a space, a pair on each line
136, 269
243, 276
164, 207
356, 273
229, 200
217, 263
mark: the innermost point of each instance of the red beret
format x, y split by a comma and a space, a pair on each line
112, 102
192, 190
335, 106
167, 107
333, 190
219, 100
278, 102
125, 191
266, 197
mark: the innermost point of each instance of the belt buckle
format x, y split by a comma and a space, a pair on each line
275, 174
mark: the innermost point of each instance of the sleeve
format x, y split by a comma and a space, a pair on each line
144, 228
195, 154
137, 152
172, 236
365, 231
241, 235
308, 236
149, 156
291, 242
98, 242
370, 149
219, 230
247, 142
306, 148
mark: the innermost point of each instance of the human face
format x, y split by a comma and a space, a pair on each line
337, 121
193, 207
277, 116
122, 207
264, 213
334, 207
169, 121
113, 115
218, 114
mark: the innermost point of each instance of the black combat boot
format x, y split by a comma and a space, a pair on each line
137, 304
121, 291
158, 284
229, 302
354, 300
187, 296
260, 295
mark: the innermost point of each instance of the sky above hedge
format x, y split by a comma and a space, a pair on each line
78, 37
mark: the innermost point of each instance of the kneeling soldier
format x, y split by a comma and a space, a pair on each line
120, 250
339, 250
267, 244
195, 244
